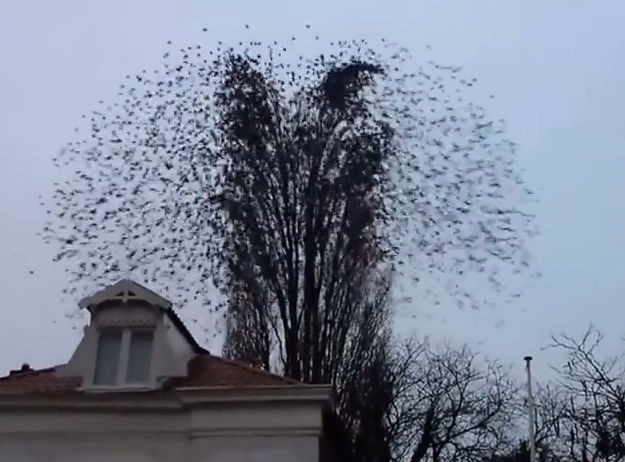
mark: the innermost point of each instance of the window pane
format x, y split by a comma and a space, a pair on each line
107, 359
139, 357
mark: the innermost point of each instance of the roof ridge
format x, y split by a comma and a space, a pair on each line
256, 370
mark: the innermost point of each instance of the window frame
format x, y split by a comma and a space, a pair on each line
122, 364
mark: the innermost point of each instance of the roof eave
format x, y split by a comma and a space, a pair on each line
170, 400
277, 393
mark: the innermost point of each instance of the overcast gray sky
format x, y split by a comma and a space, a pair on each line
556, 67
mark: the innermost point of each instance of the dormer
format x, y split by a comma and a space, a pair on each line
134, 340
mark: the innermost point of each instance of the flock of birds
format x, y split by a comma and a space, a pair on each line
142, 172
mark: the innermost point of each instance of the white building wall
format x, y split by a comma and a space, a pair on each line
228, 434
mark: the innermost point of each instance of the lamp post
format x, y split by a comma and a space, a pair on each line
530, 409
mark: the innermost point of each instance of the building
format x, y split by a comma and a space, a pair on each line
139, 388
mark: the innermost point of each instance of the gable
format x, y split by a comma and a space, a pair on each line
124, 291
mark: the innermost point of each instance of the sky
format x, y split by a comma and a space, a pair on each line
555, 67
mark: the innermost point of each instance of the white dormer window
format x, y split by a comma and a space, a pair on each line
133, 340
124, 357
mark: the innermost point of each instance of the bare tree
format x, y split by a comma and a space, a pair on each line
416, 402
593, 385
462, 406
578, 415
550, 423
374, 404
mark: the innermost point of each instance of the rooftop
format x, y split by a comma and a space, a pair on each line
203, 370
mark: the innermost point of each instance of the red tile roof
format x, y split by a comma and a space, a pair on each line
204, 370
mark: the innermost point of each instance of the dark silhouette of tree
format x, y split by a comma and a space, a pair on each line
579, 415
594, 416
420, 403
522, 454
300, 190
550, 422
518, 454
462, 407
